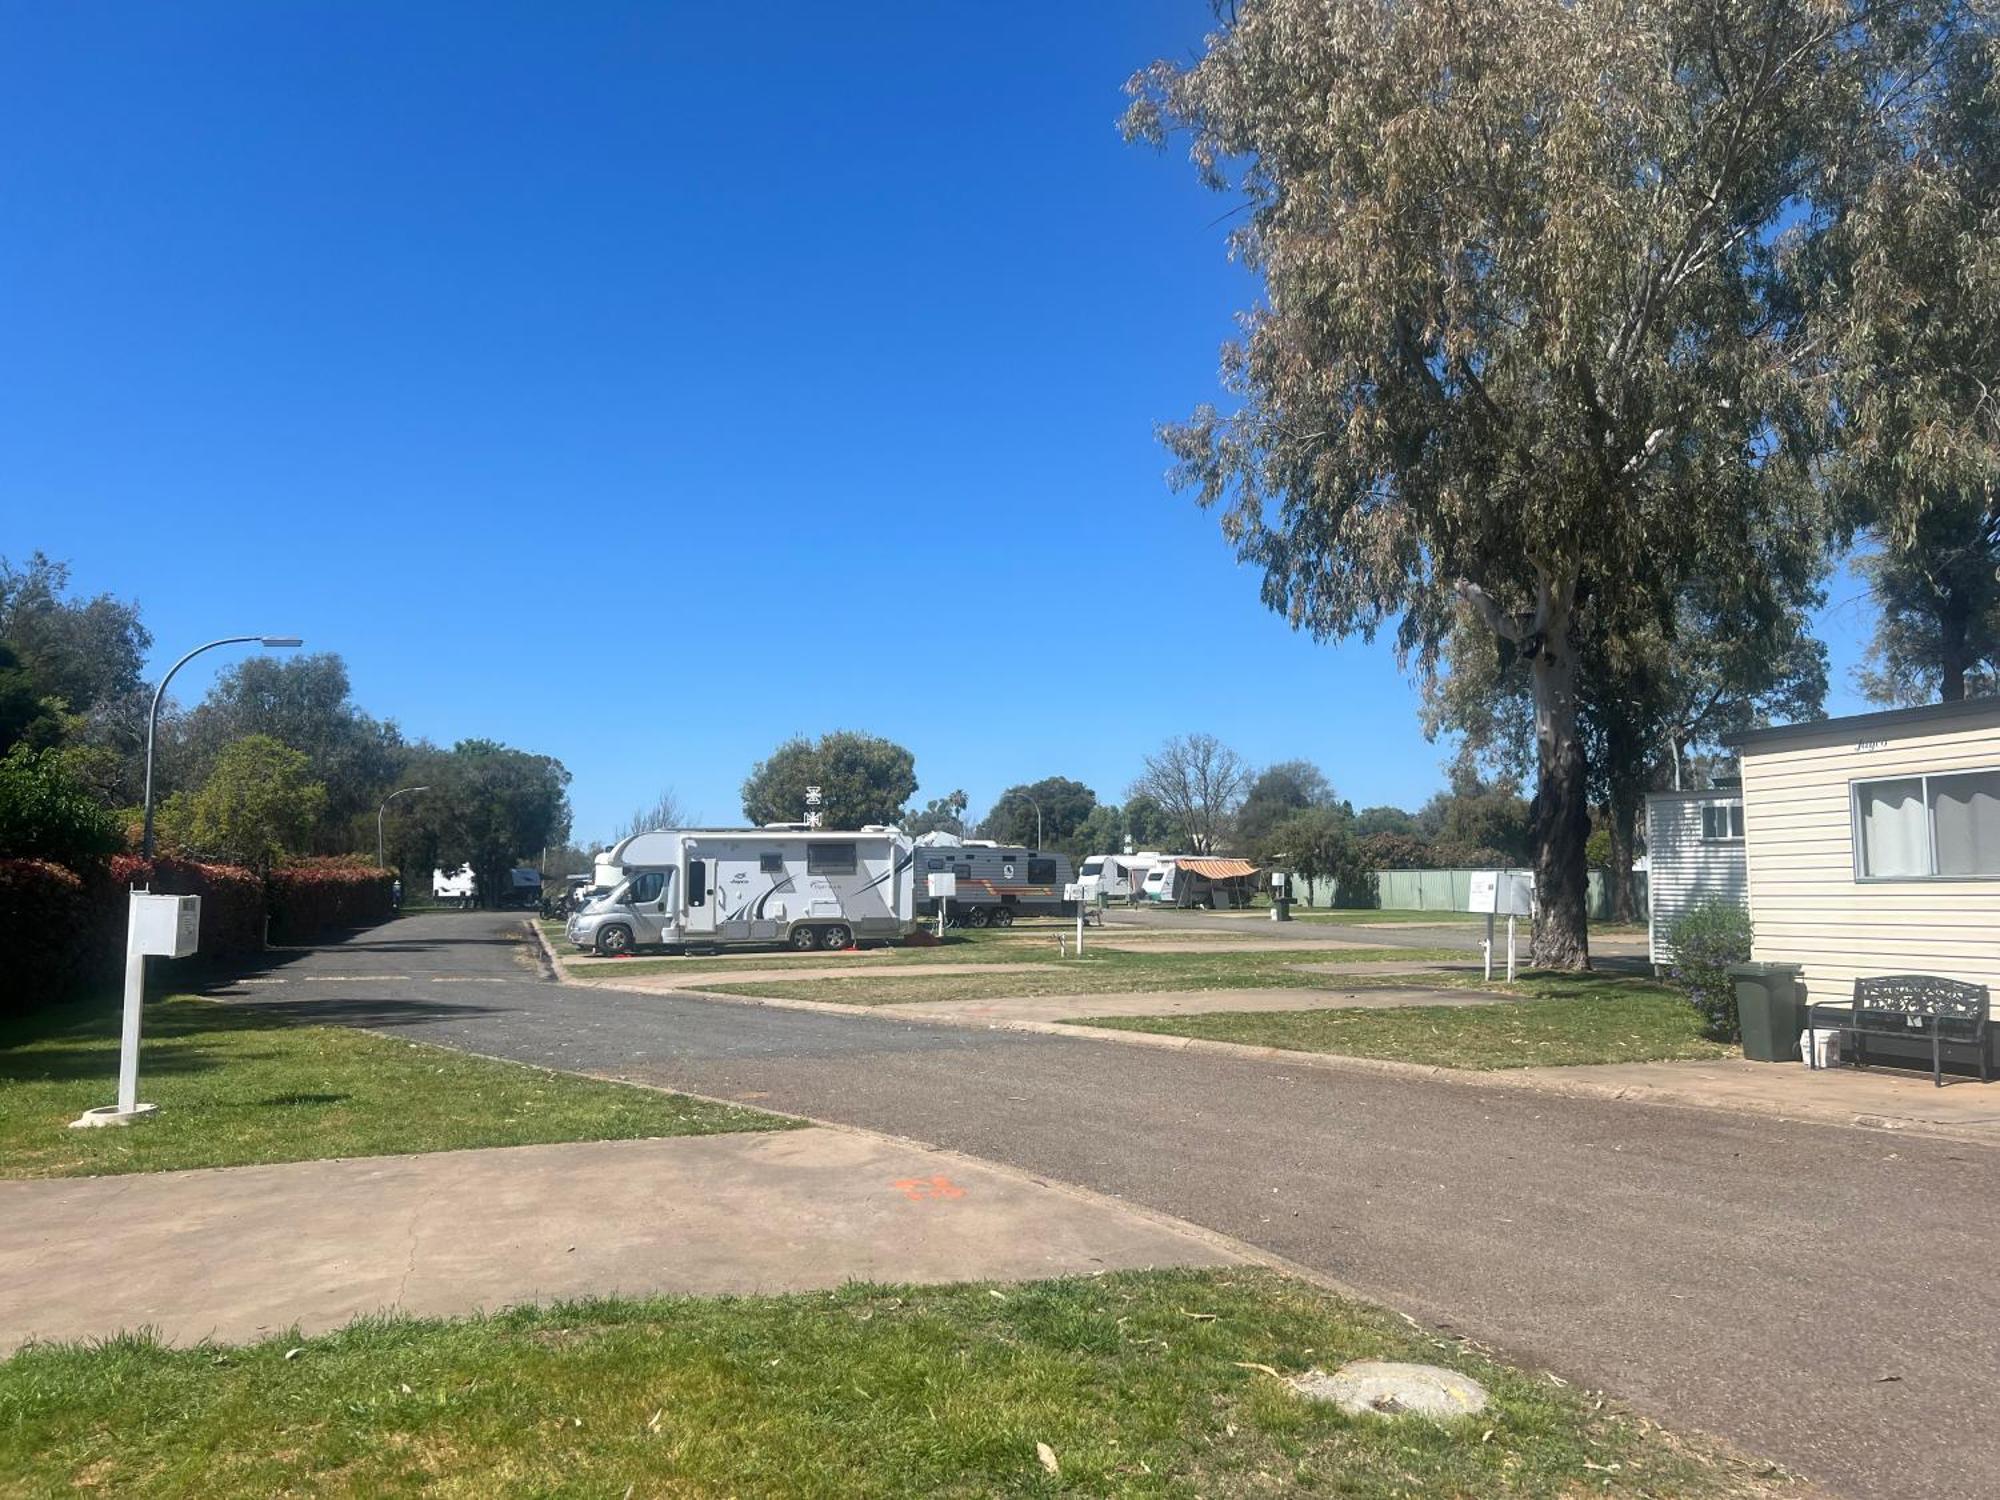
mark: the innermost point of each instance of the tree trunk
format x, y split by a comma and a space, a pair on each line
1561, 809
1954, 632
1624, 889
1624, 783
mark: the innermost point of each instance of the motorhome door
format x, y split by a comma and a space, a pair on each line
700, 897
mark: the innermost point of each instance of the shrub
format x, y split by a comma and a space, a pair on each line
45, 925
232, 900
47, 814
313, 896
1706, 942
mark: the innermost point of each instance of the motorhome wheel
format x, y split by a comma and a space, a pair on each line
614, 940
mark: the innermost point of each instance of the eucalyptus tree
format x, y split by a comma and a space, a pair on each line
1530, 334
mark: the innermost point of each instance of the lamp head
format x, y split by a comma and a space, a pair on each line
280, 640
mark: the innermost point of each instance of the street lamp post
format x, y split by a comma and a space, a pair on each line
1038, 812
399, 792
153, 718
143, 930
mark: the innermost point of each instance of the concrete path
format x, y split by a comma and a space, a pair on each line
699, 978
1750, 1276
241, 1252
1188, 1003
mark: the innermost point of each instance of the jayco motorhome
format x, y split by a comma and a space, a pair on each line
715, 887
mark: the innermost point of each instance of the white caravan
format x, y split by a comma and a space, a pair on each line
459, 885
716, 887
1116, 877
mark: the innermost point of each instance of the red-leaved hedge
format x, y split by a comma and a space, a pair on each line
45, 927
313, 896
232, 899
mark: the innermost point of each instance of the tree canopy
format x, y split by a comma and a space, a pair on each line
1531, 339
493, 807
259, 804
862, 778
1195, 781
1064, 803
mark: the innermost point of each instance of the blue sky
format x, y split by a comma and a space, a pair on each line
645, 383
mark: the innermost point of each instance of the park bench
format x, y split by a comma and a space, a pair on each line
1949, 1012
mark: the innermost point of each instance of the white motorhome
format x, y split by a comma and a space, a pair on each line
1116, 877
717, 887
459, 885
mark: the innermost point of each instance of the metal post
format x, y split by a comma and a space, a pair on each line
135, 1000
1510, 946
1486, 947
380, 864
1079, 925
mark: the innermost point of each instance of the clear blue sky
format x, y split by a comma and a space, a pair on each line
644, 383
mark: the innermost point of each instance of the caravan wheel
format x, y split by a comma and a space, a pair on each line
1003, 916
836, 937
975, 916
805, 939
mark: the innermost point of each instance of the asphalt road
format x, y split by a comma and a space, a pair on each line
1823, 1296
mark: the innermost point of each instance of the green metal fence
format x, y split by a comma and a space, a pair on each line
1451, 890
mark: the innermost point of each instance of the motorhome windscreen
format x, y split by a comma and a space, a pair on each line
830, 859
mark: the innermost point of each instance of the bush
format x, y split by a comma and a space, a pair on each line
47, 814
1706, 942
45, 927
232, 900
313, 896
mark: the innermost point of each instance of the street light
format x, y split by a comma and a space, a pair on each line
153, 718
400, 791
1032, 803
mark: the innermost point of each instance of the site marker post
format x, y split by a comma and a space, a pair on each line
1074, 892
169, 926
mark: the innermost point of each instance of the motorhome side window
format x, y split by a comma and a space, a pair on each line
697, 882
771, 864
646, 888
962, 872
933, 864
1927, 827
830, 859
1721, 822
1041, 872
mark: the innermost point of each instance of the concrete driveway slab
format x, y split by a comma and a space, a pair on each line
1188, 1003
240, 1252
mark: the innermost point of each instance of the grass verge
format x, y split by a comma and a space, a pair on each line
237, 1085
1019, 944
1103, 972
1565, 1020
1137, 1384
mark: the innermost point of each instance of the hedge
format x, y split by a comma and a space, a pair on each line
232, 899
43, 909
313, 896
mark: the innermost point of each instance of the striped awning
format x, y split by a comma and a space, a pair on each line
1218, 869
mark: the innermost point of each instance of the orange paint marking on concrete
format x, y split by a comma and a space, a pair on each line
925, 1189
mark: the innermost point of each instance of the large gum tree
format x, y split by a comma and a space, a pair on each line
1529, 338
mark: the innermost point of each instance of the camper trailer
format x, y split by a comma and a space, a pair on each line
1107, 878
995, 882
720, 887
458, 887
1186, 880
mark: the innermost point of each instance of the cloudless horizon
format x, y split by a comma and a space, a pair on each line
644, 384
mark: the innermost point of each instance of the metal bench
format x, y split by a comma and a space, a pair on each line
1949, 1012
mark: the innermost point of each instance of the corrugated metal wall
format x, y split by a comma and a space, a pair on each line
1451, 890
1686, 871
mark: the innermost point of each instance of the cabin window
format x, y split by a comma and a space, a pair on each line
1041, 872
1722, 823
830, 859
1092, 866
697, 882
646, 887
961, 872
771, 864
1928, 827
933, 864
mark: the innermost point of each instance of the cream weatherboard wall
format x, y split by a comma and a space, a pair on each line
1807, 904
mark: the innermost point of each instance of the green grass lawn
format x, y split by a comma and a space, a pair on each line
1567, 1019
237, 1085
1137, 1384
1104, 971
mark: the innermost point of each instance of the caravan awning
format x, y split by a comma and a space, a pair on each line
1218, 869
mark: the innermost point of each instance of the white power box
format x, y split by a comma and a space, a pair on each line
165, 926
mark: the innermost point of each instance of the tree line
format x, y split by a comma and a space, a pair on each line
1589, 337
275, 762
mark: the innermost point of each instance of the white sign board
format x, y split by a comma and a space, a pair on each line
165, 926
1073, 891
1505, 893
944, 883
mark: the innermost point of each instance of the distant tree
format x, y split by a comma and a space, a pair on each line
944, 814
1274, 794
303, 702
1937, 631
46, 813
1318, 844
1103, 832
1064, 803
665, 811
1147, 824
26, 717
259, 804
81, 652
1197, 781
1529, 330
1384, 820
1396, 851
493, 807
1475, 814
862, 778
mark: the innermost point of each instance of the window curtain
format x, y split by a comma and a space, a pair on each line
1894, 833
1966, 813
